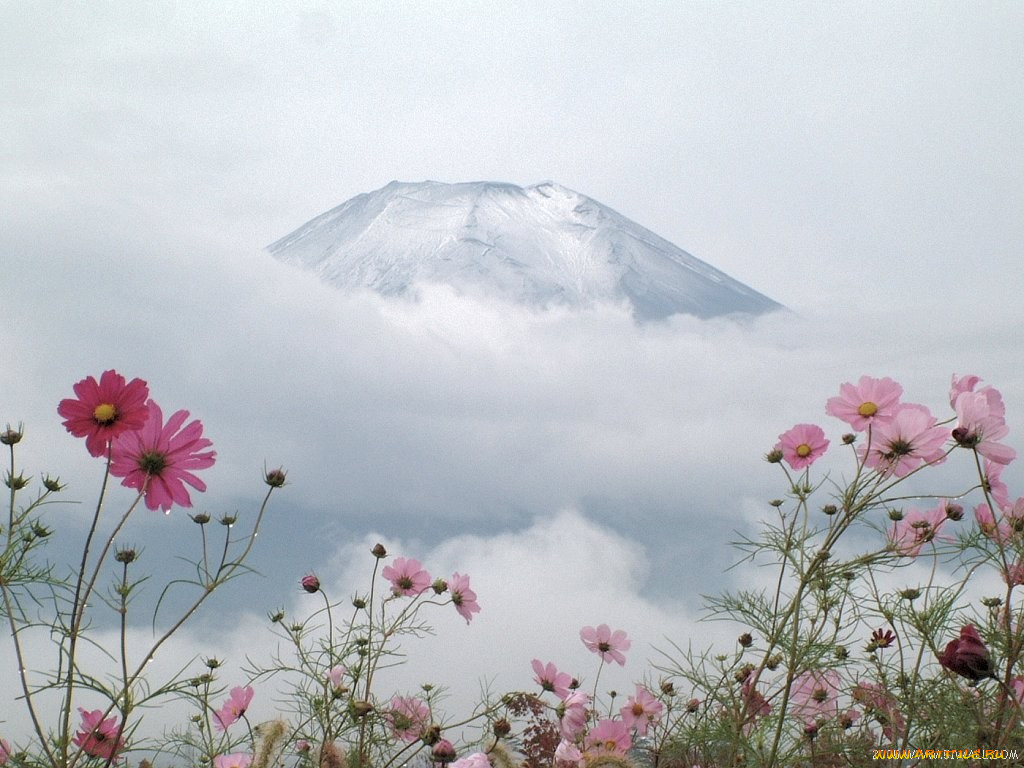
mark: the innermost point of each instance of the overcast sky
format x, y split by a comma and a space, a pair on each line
861, 163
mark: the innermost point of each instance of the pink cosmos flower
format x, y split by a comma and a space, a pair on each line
755, 704
475, 760
609, 736
105, 409
568, 754
98, 737
870, 401
574, 714
917, 528
910, 440
961, 384
5, 751
233, 708
993, 482
998, 530
234, 760
463, 598
550, 679
981, 424
336, 677
815, 695
407, 577
408, 717
607, 644
641, 711
880, 704
159, 458
1014, 575
802, 445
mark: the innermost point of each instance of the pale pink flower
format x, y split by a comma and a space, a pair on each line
997, 530
408, 717
754, 702
1014, 576
99, 737
879, 704
568, 754
550, 679
815, 695
574, 714
910, 440
609, 736
475, 760
870, 401
407, 577
993, 482
607, 644
961, 384
234, 760
802, 445
641, 711
233, 708
336, 677
917, 528
5, 751
463, 598
104, 409
160, 458
981, 424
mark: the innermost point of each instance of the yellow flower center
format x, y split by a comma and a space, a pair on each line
803, 450
867, 409
104, 413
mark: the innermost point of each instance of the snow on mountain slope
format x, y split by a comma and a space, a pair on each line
537, 245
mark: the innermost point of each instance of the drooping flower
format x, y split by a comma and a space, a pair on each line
967, 655
605, 643
233, 760
408, 717
463, 598
917, 528
105, 409
550, 679
160, 458
574, 714
609, 736
993, 482
98, 737
407, 577
310, 583
233, 708
870, 401
336, 677
802, 445
815, 695
910, 440
641, 711
981, 424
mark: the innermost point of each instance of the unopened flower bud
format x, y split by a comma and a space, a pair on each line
12, 436
772, 663
501, 727
991, 602
574, 684
693, 705
743, 673
776, 502
296, 628
201, 518
745, 640
954, 512
358, 603
310, 583
40, 530
212, 662
829, 509
275, 478
440, 586
228, 520
443, 752
667, 687
378, 551
811, 730
359, 709
910, 594
895, 515
15, 482
432, 735
849, 438
773, 456
127, 555
841, 652
52, 484
276, 617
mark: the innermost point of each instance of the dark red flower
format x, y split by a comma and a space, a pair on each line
967, 655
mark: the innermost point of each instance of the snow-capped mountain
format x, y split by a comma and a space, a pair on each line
537, 245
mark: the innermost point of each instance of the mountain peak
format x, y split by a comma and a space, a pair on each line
538, 245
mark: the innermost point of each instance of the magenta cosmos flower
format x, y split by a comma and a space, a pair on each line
408, 717
233, 708
869, 401
641, 711
909, 441
105, 409
550, 679
407, 577
98, 737
607, 644
967, 655
160, 458
463, 598
234, 760
802, 445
